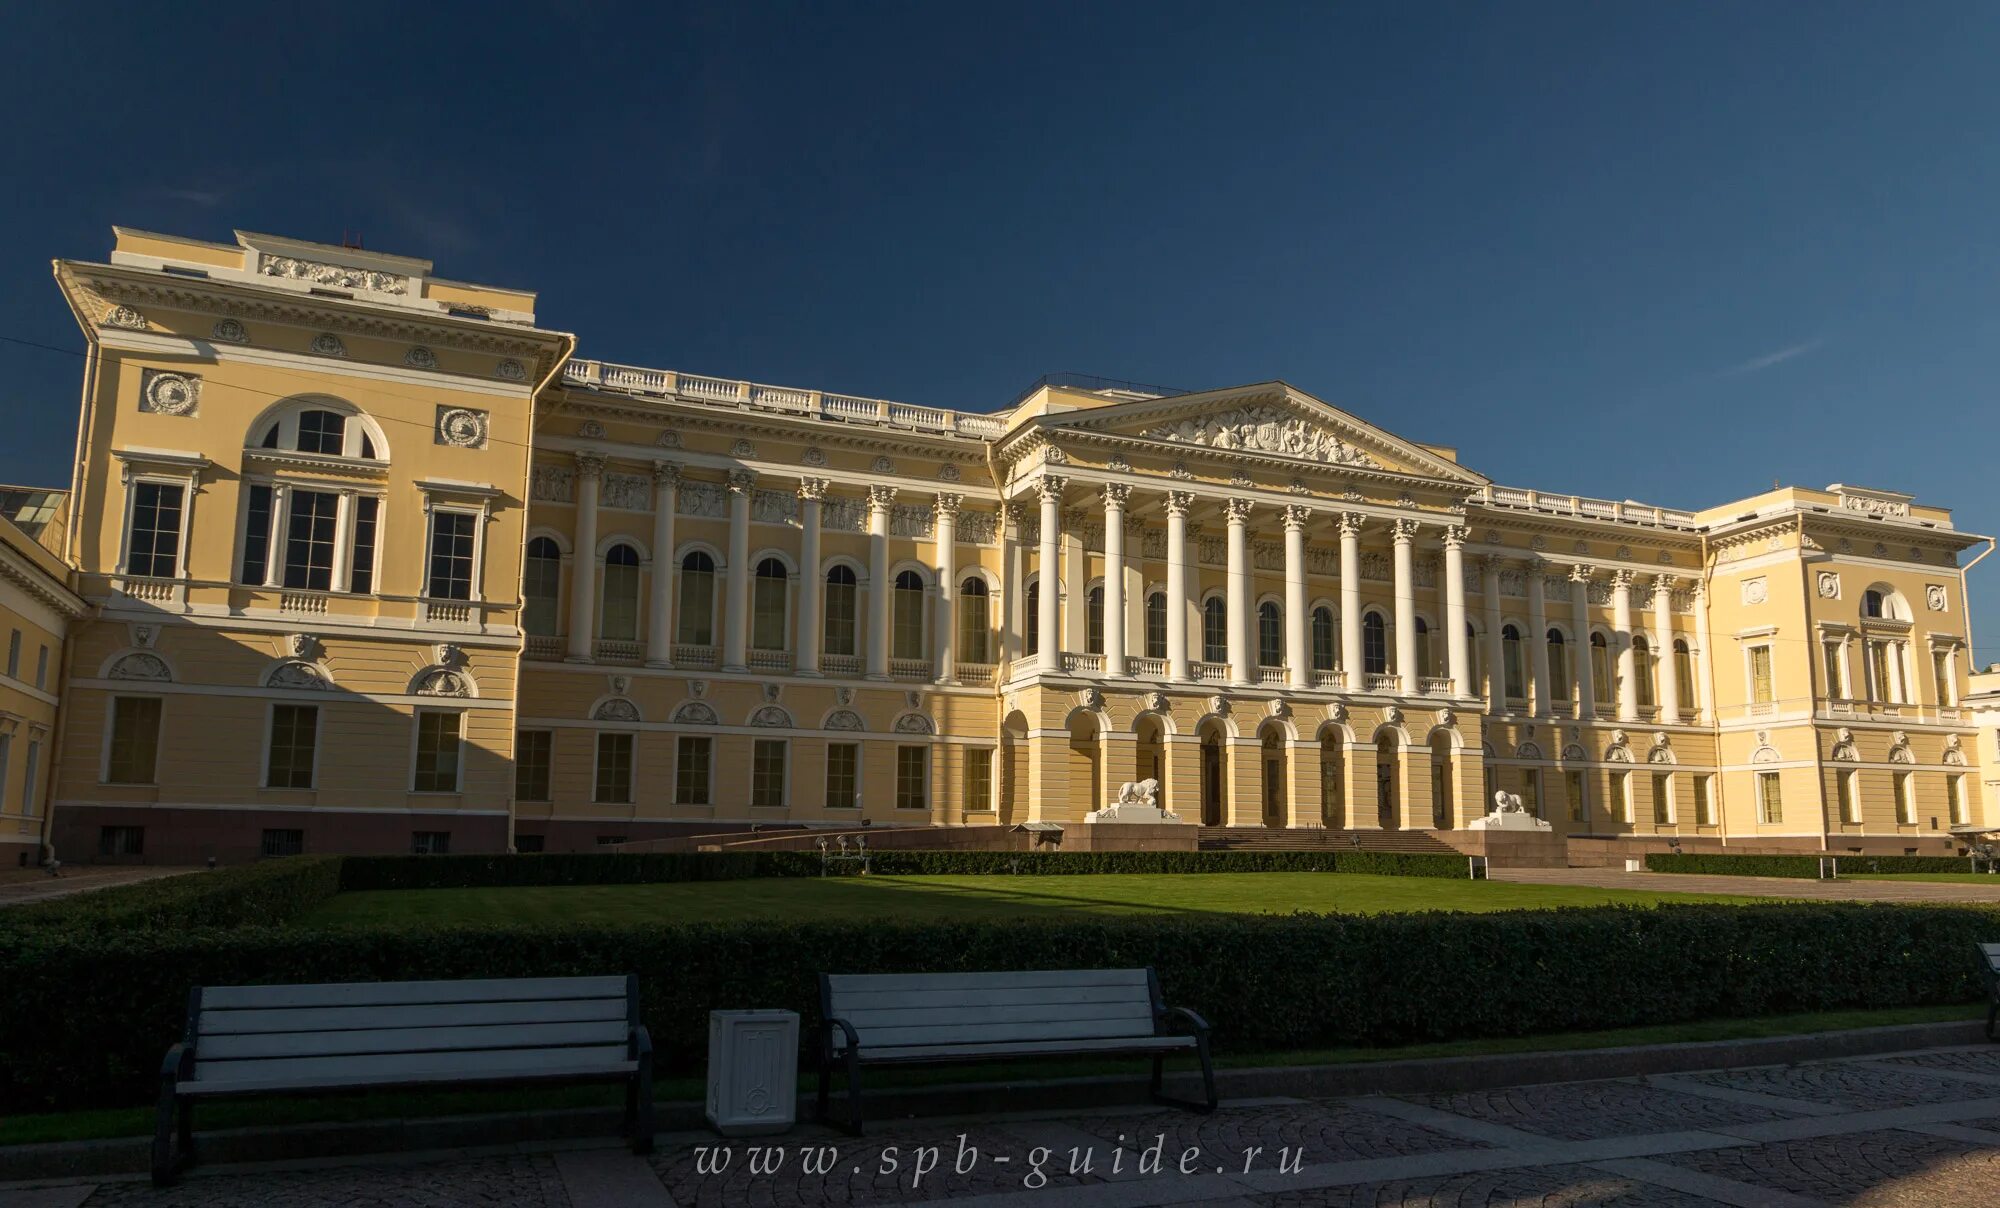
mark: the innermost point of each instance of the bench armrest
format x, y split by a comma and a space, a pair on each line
1194, 1021
853, 1038
640, 1042
175, 1063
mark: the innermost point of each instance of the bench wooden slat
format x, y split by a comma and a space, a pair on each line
864, 1000
889, 983
348, 1081
306, 1072
409, 1040
951, 1033
362, 994
974, 1021
329, 1019
1027, 1048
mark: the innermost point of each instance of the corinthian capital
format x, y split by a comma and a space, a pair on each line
1456, 535
1350, 524
1297, 515
1579, 573
1052, 487
740, 481
1237, 510
948, 504
1621, 580
880, 496
590, 465
814, 489
1406, 530
666, 473
1116, 494
1179, 503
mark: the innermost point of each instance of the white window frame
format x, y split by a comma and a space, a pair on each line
992, 804
708, 788
1763, 802
1848, 786
416, 741
1905, 790
597, 767
896, 789
787, 639
186, 486
1705, 811
474, 499
1663, 782
110, 733
602, 566
784, 769
717, 577
276, 540
1621, 788
1750, 650
860, 765
319, 733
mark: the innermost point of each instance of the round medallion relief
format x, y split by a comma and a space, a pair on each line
172, 393
462, 427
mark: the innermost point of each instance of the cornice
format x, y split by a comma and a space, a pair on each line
37, 583
753, 423
1622, 531
346, 467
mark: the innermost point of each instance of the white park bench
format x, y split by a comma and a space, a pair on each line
1989, 964
273, 1040
943, 1018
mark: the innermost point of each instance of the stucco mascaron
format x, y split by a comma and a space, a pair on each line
1381, 716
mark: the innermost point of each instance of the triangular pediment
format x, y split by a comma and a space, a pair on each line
1270, 419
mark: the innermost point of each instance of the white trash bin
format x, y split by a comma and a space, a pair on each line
753, 1071
1635, 866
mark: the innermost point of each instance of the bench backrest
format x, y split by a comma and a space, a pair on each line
358, 1028
1992, 954
975, 1008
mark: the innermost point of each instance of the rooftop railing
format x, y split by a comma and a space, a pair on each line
788, 400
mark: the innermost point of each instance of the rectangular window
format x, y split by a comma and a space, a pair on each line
1621, 791
1156, 626
283, 842
1906, 799
1214, 631
257, 535
361, 575
294, 736
6, 762
154, 543
28, 775
1954, 792
1878, 672
614, 769
978, 778
135, 740
1760, 675
1770, 798
768, 602
913, 778
840, 611
42, 668
1836, 678
311, 528
1704, 800
1531, 791
1579, 806
532, 749
1847, 789
437, 752
1947, 690
14, 656
530, 844
121, 840
1663, 799
691, 771
843, 775
430, 843
450, 576
767, 773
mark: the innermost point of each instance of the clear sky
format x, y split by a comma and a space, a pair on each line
1668, 252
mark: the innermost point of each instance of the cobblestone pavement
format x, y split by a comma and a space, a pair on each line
20, 886
1757, 887
1899, 1130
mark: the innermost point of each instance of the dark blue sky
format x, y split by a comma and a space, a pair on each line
1666, 252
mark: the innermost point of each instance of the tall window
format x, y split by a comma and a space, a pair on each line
1642, 666
1873, 604
313, 519
437, 752
913, 778
1573, 790
1770, 798
1847, 786
1322, 639
259, 505
1947, 687
908, 617
1558, 666
1663, 799
294, 736
1156, 625
978, 778
1093, 621
767, 773
1760, 675
1906, 799
1531, 791
1031, 638
532, 751
135, 740
42, 668
1214, 630
1374, 644
14, 655
1426, 666
1954, 793
1684, 672
29, 775
322, 432
1510, 653
842, 610
1704, 800
451, 555
843, 775
691, 757
1600, 669
697, 602
1270, 636
541, 586
614, 770
767, 605
974, 622
1621, 793
621, 594
1476, 656
1836, 670
361, 559
155, 538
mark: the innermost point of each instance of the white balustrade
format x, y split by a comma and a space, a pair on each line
978, 675
840, 664
911, 669
1077, 662
1138, 666
1376, 681
686, 655
541, 646
609, 651
1435, 685
770, 660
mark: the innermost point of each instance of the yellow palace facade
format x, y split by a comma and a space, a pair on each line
368, 561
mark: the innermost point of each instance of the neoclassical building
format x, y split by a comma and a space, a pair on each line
373, 562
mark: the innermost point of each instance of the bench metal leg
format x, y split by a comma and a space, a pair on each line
639, 1107
825, 1088
166, 1162
1208, 1101
1992, 1013
853, 1092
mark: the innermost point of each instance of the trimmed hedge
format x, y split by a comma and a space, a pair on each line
617, 868
86, 1014
1799, 866
267, 892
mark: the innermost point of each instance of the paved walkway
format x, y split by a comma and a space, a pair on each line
18, 886
1758, 887
1904, 1129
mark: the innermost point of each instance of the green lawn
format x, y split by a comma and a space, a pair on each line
961, 897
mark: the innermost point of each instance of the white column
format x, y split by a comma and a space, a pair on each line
583, 559
1538, 637
1014, 585
1704, 674
805, 647
1178, 503
880, 498
1241, 668
946, 532
1406, 605
1350, 602
660, 616
1663, 649
1298, 664
1048, 619
1115, 496
1621, 620
736, 597
1460, 653
1496, 645
1586, 673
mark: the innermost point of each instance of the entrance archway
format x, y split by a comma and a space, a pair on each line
1332, 779
1152, 755
1086, 764
1014, 769
1442, 791
1272, 759
1212, 747
1389, 817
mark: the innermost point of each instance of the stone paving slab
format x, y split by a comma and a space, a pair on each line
1583, 1111
1543, 1187
1849, 1085
527, 1180
1893, 1166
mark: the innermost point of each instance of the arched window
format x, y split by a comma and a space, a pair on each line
1600, 669
697, 603
1510, 652
1322, 638
907, 617
1374, 644
1558, 665
1884, 603
541, 587
1873, 604
843, 610
1642, 666
1156, 625
1214, 630
1032, 637
972, 621
1684, 672
1270, 635
322, 428
767, 605
621, 593
1093, 621
1424, 664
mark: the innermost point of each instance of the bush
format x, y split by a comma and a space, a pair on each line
85, 1015
1798, 866
269, 892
